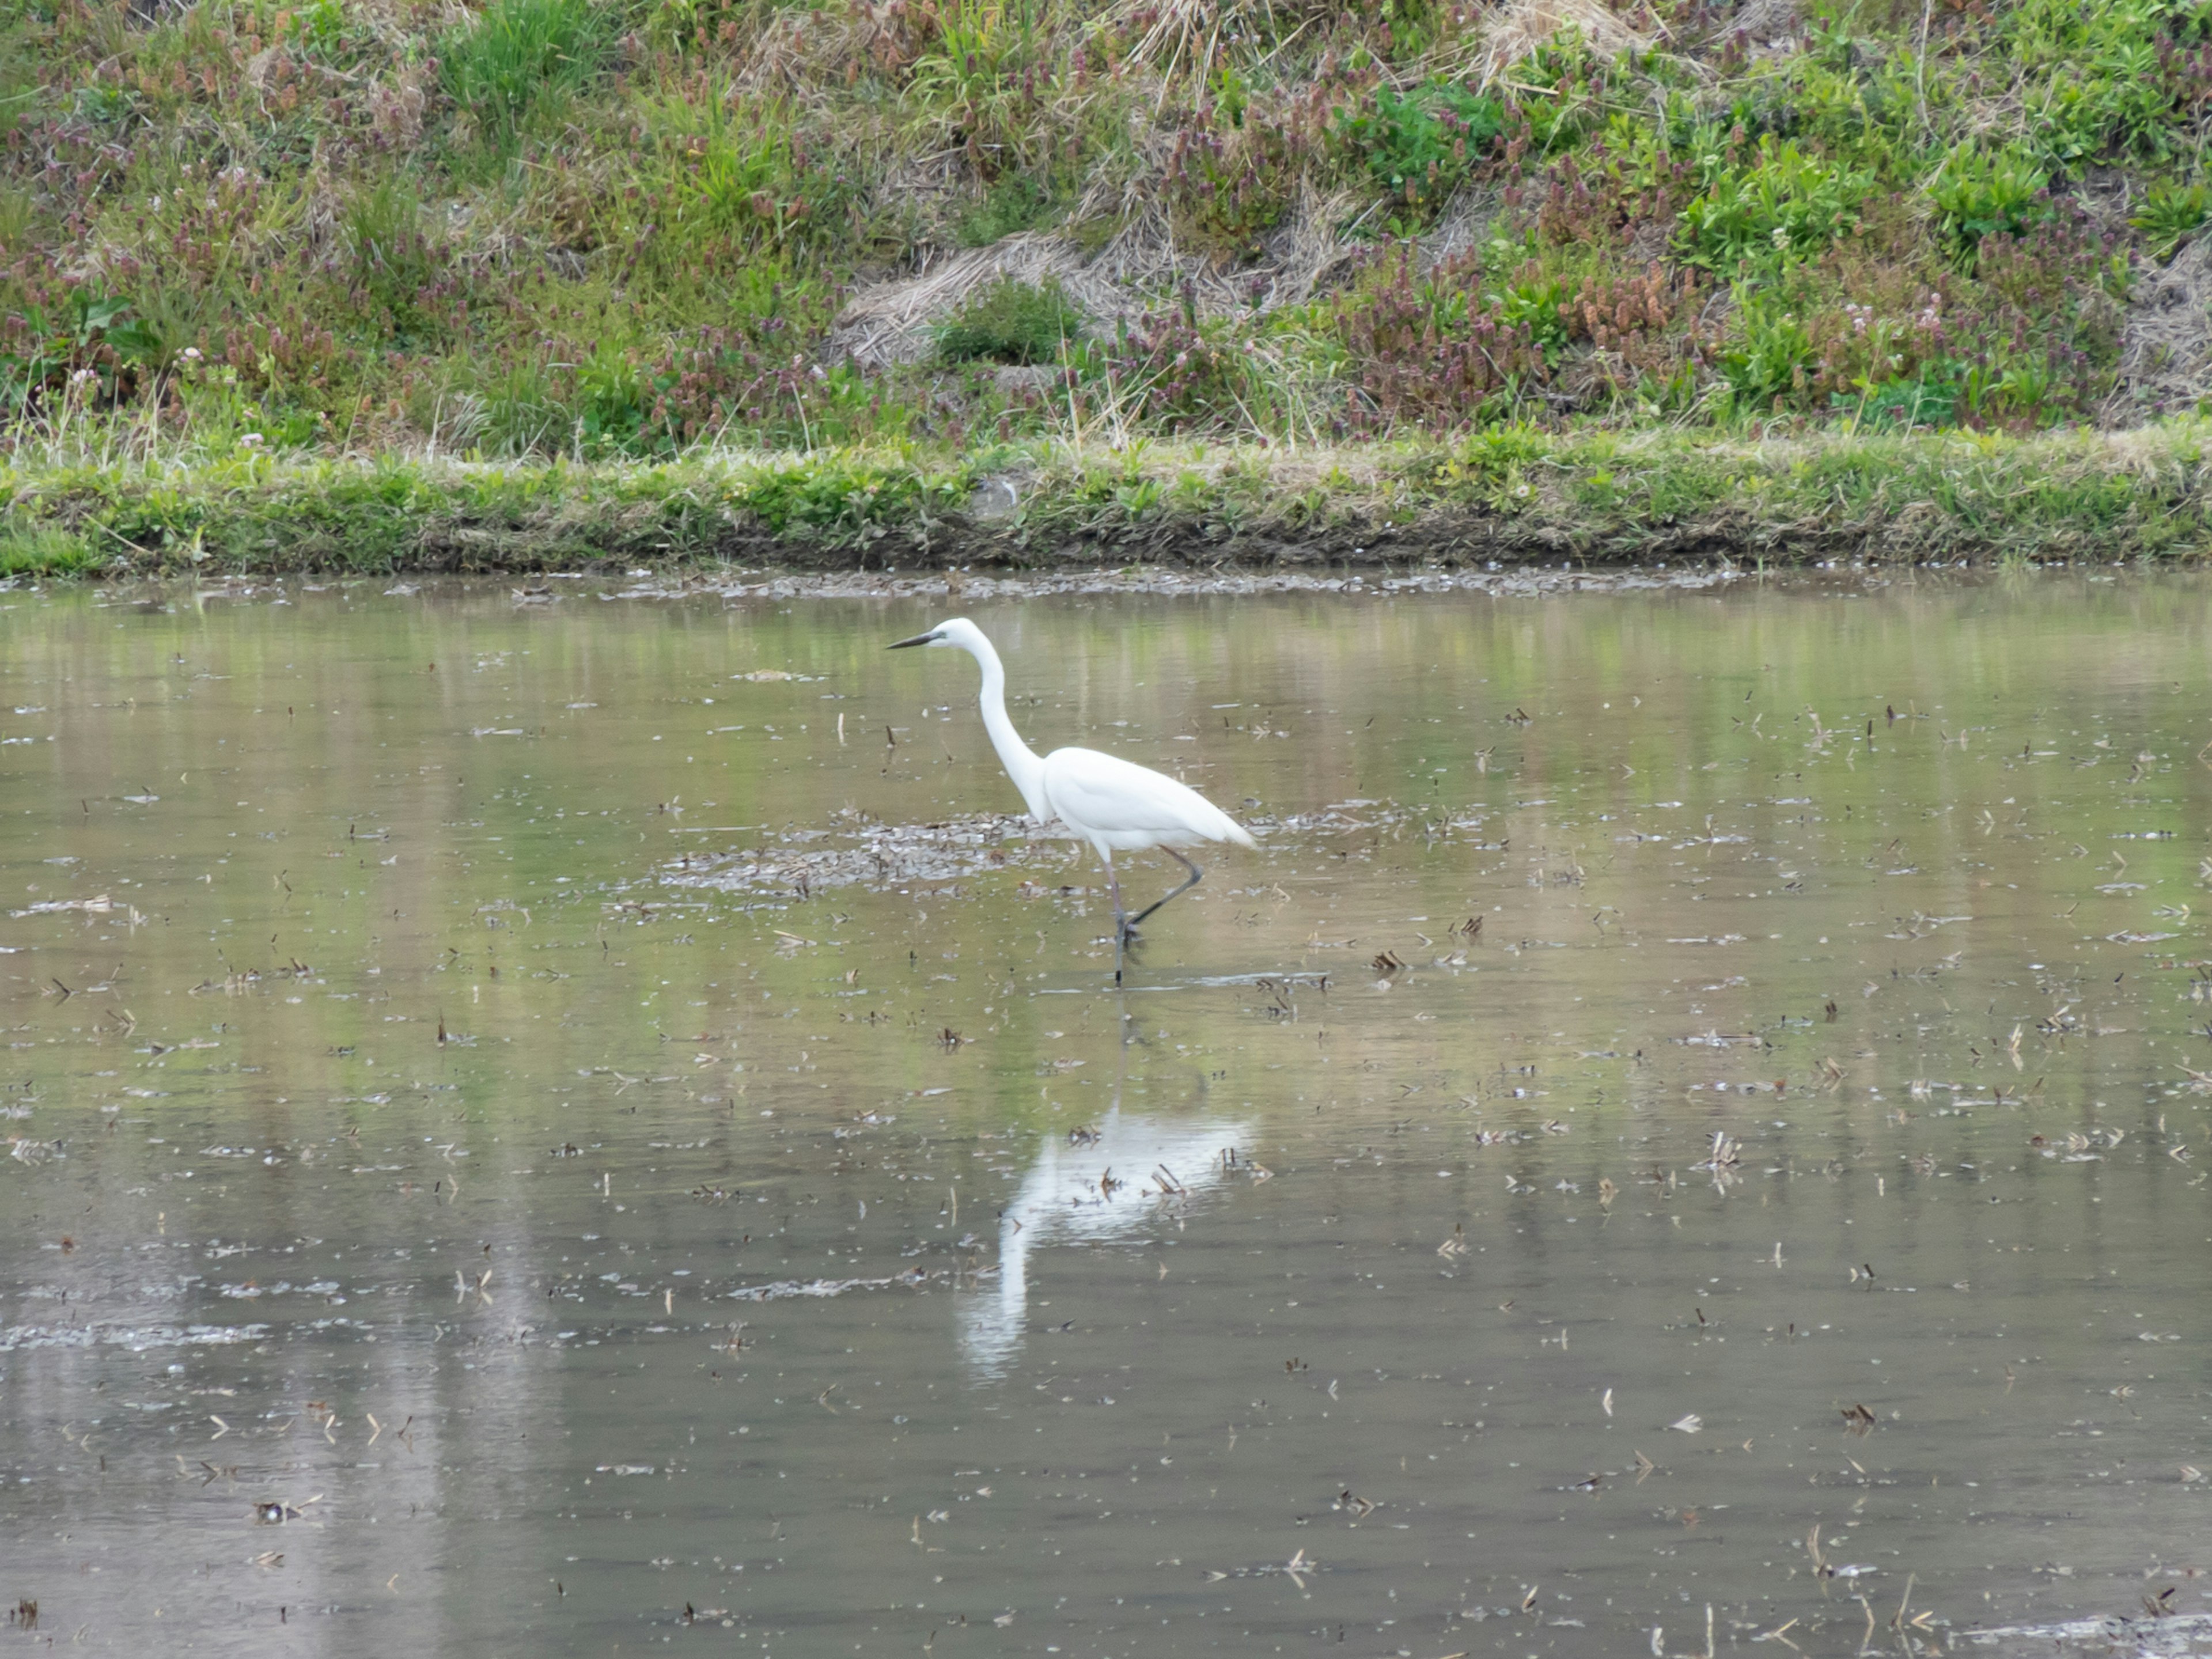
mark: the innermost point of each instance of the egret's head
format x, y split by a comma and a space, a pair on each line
958, 631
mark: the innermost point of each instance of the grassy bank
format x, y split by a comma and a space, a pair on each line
1512, 494
613, 230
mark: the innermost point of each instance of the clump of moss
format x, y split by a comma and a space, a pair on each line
37, 550
1011, 321
1014, 204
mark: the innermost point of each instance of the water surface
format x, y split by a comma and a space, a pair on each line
562, 1123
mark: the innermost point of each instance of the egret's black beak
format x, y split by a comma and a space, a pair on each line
919, 638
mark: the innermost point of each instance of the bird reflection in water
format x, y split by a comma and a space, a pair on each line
1127, 1176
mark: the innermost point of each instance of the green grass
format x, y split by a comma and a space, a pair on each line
1508, 495
520, 57
45, 550
1011, 321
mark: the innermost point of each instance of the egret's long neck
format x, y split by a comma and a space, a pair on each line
1020, 760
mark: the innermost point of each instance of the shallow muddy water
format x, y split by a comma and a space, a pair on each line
568, 1123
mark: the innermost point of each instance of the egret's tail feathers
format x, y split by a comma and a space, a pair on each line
1240, 835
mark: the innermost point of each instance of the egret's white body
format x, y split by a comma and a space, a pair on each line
1116, 806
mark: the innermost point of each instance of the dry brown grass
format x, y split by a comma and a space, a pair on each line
1140, 269
2165, 363
1513, 31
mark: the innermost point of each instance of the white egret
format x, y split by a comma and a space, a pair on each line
1115, 804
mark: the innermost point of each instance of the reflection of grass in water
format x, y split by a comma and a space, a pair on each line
1691, 664
1800, 799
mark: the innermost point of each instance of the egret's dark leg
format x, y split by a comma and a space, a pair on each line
1121, 925
1130, 927
1114, 892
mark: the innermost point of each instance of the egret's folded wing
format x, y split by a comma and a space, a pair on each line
1100, 792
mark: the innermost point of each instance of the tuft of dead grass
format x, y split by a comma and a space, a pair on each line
1186, 36
1516, 30
2166, 343
1141, 268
